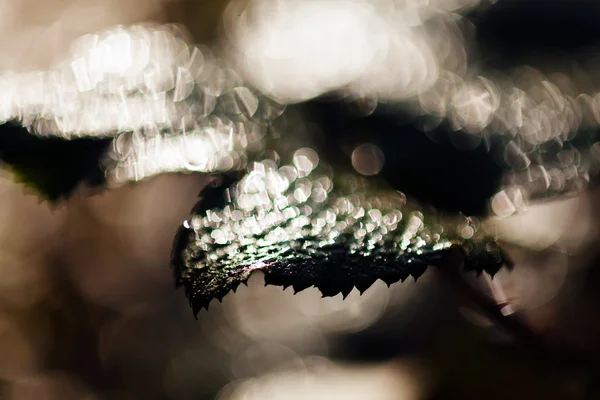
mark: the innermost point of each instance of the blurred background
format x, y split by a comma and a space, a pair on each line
489, 108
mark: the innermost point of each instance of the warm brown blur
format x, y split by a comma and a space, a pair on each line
88, 309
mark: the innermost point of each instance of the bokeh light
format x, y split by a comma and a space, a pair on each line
87, 305
368, 159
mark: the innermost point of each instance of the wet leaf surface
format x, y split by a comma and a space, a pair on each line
304, 229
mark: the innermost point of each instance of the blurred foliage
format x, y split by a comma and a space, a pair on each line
88, 310
52, 167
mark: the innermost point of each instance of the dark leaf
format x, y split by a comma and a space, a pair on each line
53, 167
301, 231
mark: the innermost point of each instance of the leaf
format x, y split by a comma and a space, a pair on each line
53, 167
314, 230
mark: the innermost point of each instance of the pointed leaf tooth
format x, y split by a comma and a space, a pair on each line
364, 284
221, 293
391, 278
300, 286
493, 266
347, 289
197, 306
387, 283
196, 310
328, 289
417, 269
205, 303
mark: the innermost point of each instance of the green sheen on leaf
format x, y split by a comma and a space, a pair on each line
303, 228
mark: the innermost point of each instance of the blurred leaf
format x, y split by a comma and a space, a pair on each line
53, 167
